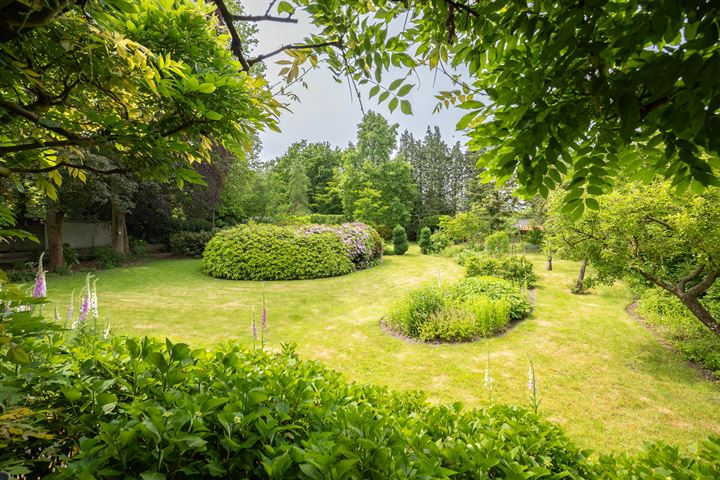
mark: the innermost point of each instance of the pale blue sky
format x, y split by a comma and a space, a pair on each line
326, 110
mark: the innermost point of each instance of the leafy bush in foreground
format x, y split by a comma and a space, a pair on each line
140, 409
272, 252
471, 308
517, 269
681, 328
131, 408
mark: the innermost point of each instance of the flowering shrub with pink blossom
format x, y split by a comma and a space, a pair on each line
363, 244
273, 252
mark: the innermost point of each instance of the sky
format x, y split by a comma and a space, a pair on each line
326, 110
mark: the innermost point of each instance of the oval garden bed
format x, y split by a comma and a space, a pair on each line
272, 252
472, 308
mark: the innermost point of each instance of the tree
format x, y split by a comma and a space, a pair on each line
320, 161
376, 139
297, 199
400, 241
667, 238
425, 240
105, 76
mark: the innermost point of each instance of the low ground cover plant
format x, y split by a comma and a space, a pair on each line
518, 269
463, 311
273, 252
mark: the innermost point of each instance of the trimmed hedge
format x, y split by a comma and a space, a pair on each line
273, 252
469, 309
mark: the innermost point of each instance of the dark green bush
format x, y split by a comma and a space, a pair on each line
191, 244
517, 269
400, 240
272, 252
469, 309
685, 332
106, 257
425, 240
138, 247
70, 255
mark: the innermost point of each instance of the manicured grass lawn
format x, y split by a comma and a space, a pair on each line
602, 376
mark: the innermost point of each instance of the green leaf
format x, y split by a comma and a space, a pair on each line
404, 90
405, 107
206, 88
393, 104
285, 7
396, 83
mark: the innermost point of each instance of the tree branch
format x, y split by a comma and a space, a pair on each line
706, 283
236, 44
306, 46
657, 281
37, 120
263, 18
694, 274
7, 171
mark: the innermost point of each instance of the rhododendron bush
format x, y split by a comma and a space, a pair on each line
272, 252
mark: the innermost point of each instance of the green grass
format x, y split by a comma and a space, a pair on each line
601, 375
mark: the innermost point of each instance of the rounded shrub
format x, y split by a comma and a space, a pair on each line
400, 241
273, 252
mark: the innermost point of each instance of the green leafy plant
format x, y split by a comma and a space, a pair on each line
497, 243
469, 309
517, 269
106, 257
425, 240
191, 244
400, 241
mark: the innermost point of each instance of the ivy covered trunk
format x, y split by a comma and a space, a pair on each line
120, 241
53, 222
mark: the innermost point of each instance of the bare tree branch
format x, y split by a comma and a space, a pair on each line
236, 44
304, 46
263, 18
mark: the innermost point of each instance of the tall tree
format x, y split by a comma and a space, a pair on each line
297, 190
376, 139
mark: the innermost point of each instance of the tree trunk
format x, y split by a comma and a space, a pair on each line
697, 309
120, 242
579, 285
549, 262
53, 222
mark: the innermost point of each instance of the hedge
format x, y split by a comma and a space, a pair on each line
273, 252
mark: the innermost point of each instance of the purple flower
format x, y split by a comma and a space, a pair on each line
263, 319
85, 305
254, 330
40, 288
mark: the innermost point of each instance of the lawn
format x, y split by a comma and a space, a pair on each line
600, 374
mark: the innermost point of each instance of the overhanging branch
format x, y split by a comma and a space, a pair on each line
303, 46
263, 18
